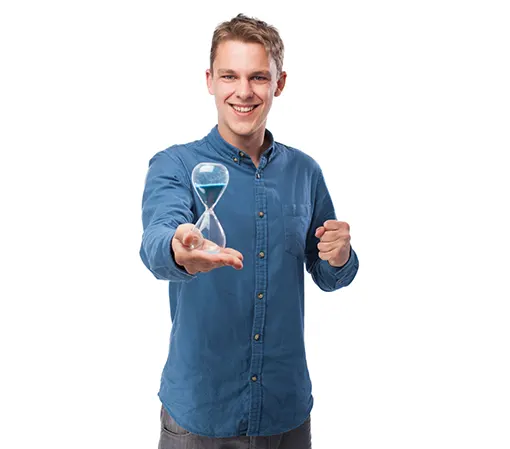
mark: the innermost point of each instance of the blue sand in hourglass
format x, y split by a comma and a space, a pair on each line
209, 192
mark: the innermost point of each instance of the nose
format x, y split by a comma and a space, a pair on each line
244, 90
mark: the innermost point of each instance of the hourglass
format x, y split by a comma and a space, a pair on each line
210, 180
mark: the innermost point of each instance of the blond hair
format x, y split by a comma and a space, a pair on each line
250, 30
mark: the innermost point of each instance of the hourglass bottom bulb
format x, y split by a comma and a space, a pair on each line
212, 249
204, 244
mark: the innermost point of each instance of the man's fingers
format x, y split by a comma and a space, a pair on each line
233, 252
319, 232
332, 225
216, 260
182, 230
228, 261
326, 246
232, 260
331, 236
187, 239
191, 239
326, 255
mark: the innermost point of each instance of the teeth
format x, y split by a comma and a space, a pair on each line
238, 109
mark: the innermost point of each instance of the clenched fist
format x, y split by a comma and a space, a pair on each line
335, 242
194, 260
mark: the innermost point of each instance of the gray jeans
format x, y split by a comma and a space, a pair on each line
175, 437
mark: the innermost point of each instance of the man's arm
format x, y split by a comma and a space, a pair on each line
167, 203
326, 276
168, 241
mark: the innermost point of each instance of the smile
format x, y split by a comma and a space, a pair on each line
243, 109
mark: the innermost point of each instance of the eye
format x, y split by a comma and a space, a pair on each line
259, 78
228, 77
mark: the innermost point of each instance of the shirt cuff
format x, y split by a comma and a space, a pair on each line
339, 273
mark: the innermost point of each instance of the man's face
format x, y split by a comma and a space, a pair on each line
244, 77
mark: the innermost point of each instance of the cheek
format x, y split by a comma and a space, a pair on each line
267, 96
219, 98
223, 90
268, 102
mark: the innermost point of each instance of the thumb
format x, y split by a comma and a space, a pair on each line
190, 239
319, 231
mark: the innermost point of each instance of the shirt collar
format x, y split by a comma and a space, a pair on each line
233, 153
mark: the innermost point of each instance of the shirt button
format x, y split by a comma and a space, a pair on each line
258, 175
261, 254
257, 336
261, 214
260, 295
241, 154
254, 378
236, 160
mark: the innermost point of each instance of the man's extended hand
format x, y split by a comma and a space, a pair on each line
195, 260
334, 245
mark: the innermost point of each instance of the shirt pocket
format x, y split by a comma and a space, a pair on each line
296, 220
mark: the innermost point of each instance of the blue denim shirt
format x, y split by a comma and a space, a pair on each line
236, 362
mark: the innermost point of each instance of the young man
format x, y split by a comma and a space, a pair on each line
236, 374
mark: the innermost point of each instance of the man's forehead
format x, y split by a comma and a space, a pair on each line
231, 51
256, 71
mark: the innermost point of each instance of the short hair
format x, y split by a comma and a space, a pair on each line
250, 30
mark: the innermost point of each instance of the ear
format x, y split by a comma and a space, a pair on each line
280, 84
209, 79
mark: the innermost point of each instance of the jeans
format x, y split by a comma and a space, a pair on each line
175, 437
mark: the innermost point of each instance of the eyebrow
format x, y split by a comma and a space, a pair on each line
265, 73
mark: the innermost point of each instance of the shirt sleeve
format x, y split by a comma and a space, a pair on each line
327, 277
167, 202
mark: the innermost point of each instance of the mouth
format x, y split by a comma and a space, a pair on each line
243, 110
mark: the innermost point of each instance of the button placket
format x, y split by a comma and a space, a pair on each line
261, 268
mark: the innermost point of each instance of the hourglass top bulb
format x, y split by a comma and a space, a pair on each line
210, 180
209, 193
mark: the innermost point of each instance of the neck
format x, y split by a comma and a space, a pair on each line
253, 145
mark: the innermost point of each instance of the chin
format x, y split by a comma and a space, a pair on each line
242, 130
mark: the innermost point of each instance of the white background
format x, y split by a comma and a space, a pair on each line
405, 105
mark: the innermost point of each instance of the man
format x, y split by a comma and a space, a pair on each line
236, 374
